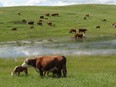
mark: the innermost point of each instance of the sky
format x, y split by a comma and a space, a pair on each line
6, 3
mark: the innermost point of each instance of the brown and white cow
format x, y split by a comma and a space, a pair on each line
73, 30
82, 30
19, 69
47, 63
79, 35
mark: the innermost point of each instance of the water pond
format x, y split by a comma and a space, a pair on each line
47, 47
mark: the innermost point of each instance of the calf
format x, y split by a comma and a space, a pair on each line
19, 69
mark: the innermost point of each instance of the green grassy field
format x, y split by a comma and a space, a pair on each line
83, 71
69, 17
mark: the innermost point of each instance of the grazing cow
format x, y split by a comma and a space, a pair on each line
24, 21
31, 22
32, 27
19, 13
19, 69
82, 30
39, 23
47, 14
40, 20
72, 30
47, 63
55, 14
42, 17
84, 18
49, 23
104, 20
114, 25
14, 29
98, 27
79, 35
87, 15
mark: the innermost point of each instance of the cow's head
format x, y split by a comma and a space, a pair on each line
29, 62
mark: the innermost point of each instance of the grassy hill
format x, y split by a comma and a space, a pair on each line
69, 17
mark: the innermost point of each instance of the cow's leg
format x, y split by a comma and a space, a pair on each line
59, 73
18, 73
26, 72
64, 71
41, 72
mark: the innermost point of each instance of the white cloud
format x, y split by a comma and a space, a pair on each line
53, 2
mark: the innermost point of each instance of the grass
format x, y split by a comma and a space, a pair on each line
83, 71
70, 17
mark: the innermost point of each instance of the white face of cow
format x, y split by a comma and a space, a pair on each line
25, 63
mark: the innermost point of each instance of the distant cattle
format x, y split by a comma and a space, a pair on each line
82, 30
47, 14
30, 22
114, 25
40, 20
84, 18
50, 23
24, 21
32, 27
40, 23
73, 31
55, 14
42, 17
79, 36
14, 29
47, 63
104, 20
87, 15
98, 26
18, 69
19, 13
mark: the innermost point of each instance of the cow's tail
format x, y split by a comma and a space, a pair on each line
64, 69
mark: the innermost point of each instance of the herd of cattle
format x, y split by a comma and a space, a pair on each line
80, 33
40, 20
44, 65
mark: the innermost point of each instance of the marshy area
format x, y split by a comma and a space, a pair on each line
56, 47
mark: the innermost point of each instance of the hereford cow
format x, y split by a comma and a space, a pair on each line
42, 17
19, 69
55, 14
47, 63
85, 18
72, 31
98, 27
14, 29
31, 22
114, 25
39, 23
79, 36
87, 15
24, 21
47, 14
49, 23
82, 30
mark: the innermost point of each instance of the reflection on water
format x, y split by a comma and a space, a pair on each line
49, 48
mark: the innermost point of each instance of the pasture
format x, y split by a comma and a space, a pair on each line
83, 71
28, 24
13, 26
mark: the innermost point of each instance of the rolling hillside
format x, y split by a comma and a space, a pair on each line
69, 17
